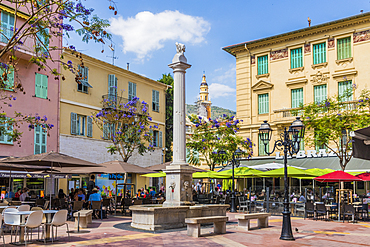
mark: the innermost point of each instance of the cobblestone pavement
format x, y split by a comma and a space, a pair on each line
116, 231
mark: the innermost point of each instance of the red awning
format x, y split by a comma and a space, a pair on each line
337, 176
364, 176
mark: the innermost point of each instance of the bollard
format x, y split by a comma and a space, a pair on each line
268, 199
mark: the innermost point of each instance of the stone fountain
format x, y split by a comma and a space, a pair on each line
179, 200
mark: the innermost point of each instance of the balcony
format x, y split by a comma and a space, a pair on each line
111, 101
289, 113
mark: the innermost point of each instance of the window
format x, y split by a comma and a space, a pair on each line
40, 139
112, 88
319, 53
131, 90
108, 129
9, 83
41, 86
6, 130
263, 103
7, 26
81, 125
318, 144
84, 81
155, 100
43, 40
157, 138
195, 155
344, 48
297, 97
345, 90
319, 93
261, 147
296, 60
263, 65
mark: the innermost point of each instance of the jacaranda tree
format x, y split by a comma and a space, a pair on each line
127, 125
330, 122
211, 135
31, 26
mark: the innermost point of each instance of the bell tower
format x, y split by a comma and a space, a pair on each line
204, 102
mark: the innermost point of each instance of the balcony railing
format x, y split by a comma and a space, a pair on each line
294, 112
113, 101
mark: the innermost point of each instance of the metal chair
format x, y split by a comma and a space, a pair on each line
349, 210
364, 211
34, 220
242, 203
59, 219
12, 220
309, 209
321, 210
97, 205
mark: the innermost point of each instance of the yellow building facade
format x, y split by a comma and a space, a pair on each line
81, 138
279, 73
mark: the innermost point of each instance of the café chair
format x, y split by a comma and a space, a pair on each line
24, 207
12, 220
34, 220
59, 219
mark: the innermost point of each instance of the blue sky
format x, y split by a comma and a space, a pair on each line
145, 33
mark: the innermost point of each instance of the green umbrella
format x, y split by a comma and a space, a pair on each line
317, 172
210, 174
242, 172
155, 175
292, 172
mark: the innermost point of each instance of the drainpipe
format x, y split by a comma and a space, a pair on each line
58, 100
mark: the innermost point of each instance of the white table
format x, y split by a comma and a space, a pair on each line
23, 215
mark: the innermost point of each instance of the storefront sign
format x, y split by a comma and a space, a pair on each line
31, 175
310, 154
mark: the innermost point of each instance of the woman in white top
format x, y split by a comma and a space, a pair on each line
24, 195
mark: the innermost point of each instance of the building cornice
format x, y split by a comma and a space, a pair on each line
299, 34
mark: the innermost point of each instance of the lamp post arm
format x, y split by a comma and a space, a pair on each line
277, 145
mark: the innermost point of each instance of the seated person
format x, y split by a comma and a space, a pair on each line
9, 193
152, 192
146, 194
24, 195
95, 197
302, 198
80, 196
138, 195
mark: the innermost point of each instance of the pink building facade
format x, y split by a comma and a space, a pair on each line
41, 95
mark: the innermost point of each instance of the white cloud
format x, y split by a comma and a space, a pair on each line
147, 32
217, 90
228, 76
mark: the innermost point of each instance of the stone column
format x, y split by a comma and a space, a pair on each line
179, 173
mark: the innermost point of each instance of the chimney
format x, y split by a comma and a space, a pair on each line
128, 66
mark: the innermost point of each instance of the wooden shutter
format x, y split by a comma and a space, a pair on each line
157, 99
112, 88
7, 23
134, 90
37, 140
106, 131
43, 140
73, 123
320, 93
44, 86
152, 135
296, 60
297, 97
38, 83
160, 139
89, 127
129, 90
343, 86
344, 48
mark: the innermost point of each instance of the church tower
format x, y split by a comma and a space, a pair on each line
204, 102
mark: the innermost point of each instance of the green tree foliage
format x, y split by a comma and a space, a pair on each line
126, 125
168, 80
329, 123
209, 136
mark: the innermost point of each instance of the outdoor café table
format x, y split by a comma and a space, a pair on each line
28, 202
23, 215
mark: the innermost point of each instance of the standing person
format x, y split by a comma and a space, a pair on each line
199, 187
72, 193
90, 185
162, 188
219, 186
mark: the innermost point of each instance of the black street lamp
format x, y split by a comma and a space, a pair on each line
289, 142
235, 162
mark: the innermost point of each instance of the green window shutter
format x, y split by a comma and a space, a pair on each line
155, 100
297, 97
9, 83
319, 53
134, 89
7, 26
5, 136
262, 65
187, 155
344, 90
73, 123
41, 86
296, 60
152, 135
43, 140
320, 93
38, 82
344, 48
160, 139
89, 127
106, 131
37, 140
263, 103
131, 90
112, 88
261, 147
43, 41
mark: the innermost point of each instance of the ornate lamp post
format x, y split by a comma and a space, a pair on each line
288, 142
234, 162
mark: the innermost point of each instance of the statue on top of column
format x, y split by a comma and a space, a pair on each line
180, 48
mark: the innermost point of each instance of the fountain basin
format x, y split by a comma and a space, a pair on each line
157, 217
